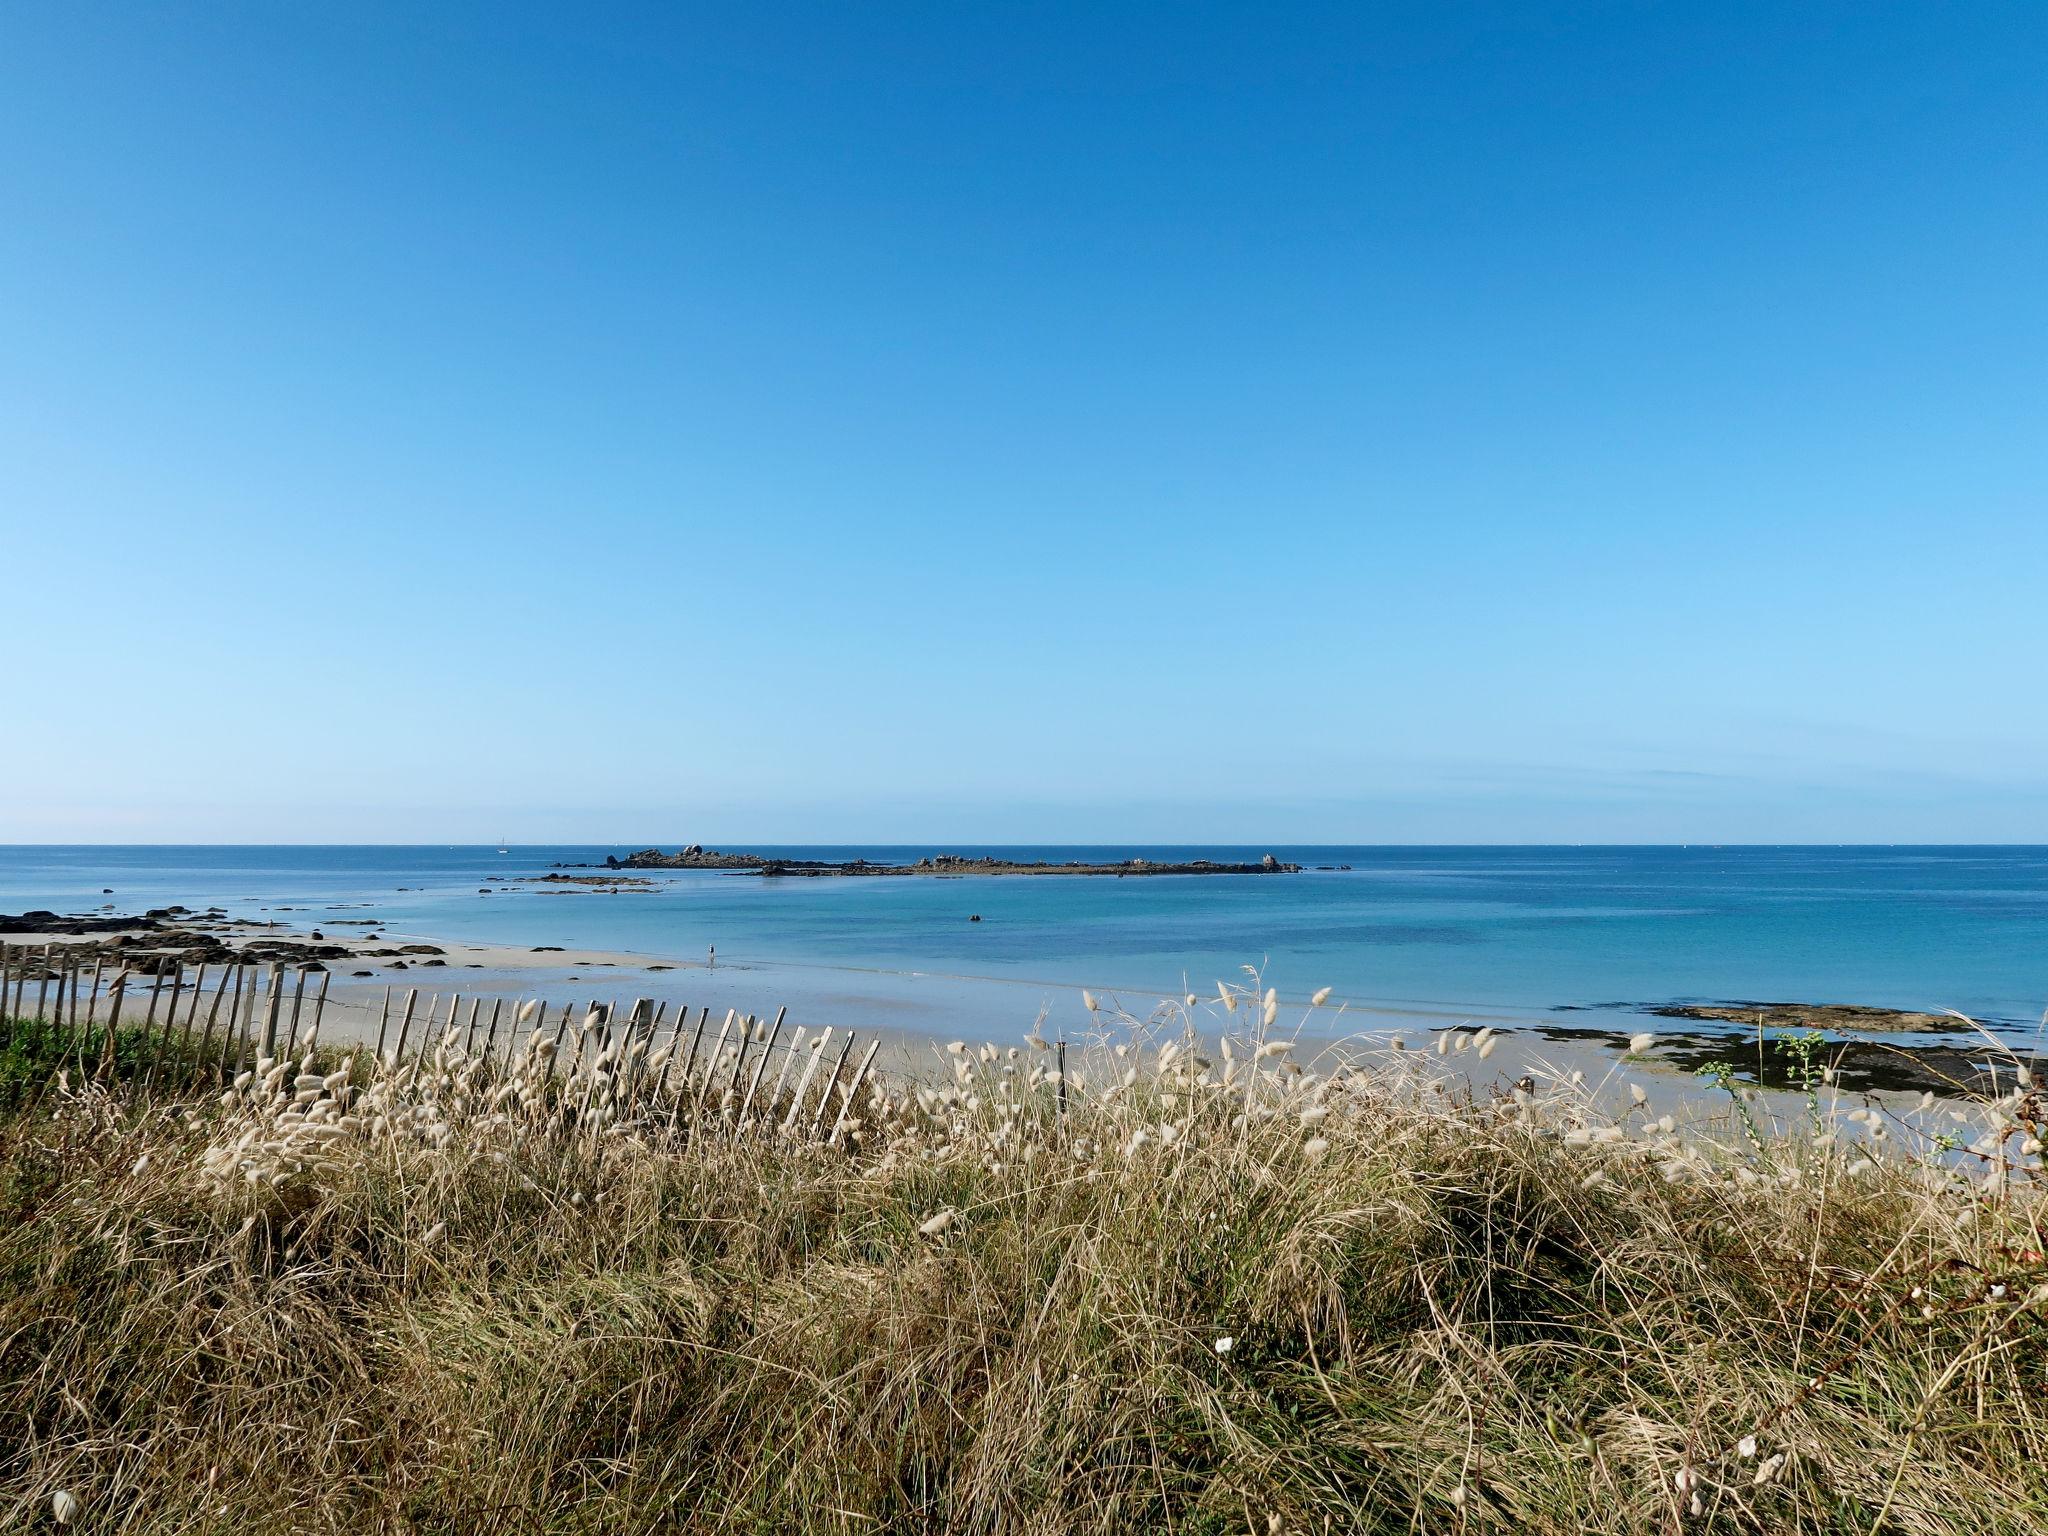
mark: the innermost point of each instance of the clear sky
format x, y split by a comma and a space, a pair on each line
1372, 423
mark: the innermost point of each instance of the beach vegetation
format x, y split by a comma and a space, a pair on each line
1206, 1277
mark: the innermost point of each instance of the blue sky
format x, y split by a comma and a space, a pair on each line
912, 422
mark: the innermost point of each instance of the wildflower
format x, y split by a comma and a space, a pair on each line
1321, 997
1746, 1447
141, 1165
956, 1047
1637, 1092
1224, 1345
1088, 1000
1315, 1147
436, 1232
940, 1223
1639, 1043
1272, 1005
64, 1506
1276, 1048
1767, 1469
1487, 1049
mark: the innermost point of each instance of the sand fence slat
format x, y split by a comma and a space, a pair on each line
761, 1066
852, 1090
803, 1082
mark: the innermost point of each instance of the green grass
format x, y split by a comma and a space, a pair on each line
1449, 1313
33, 1052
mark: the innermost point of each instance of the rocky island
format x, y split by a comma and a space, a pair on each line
696, 856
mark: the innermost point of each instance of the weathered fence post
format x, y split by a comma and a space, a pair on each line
852, 1089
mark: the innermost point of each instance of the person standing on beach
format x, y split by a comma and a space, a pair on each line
711, 957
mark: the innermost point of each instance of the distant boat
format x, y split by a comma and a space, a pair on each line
501, 846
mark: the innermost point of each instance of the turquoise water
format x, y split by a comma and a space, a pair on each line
1495, 930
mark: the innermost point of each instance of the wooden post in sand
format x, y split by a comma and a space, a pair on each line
696, 1040
852, 1088
6, 1025
803, 1082
57, 1030
92, 1004
192, 1013
761, 1066
43, 984
156, 1055
291, 1037
112, 1027
629, 1053
92, 994
319, 1008
204, 1054
249, 1039
561, 1030
233, 971
491, 1030
739, 1062
533, 1032
272, 1007
831, 1082
383, 1023
789, 1056
412, 996
711, 1065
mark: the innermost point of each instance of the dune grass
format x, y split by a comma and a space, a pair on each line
1222, 1292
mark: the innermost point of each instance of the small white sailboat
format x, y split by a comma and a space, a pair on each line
502, 848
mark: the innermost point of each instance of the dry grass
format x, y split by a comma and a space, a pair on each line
1220, 1294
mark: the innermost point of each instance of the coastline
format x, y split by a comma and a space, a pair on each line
916, 1012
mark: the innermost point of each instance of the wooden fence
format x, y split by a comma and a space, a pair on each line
180, 1035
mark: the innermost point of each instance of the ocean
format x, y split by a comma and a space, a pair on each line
1513, 933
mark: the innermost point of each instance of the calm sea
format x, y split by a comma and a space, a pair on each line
1487, 930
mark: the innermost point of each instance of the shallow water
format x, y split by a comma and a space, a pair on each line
1493, 932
